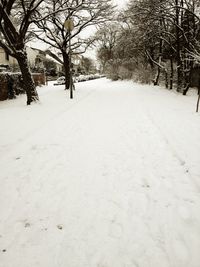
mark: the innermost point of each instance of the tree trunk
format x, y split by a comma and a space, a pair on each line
66, 69
197, 107
187, 81
156, 79
166, 79
171, 72
28, 83
178, 48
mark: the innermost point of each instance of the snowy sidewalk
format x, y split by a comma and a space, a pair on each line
108, 179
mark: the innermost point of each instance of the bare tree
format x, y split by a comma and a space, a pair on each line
167, 33
84, 13
16, 17
106, 39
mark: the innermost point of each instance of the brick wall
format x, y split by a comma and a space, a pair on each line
39, 79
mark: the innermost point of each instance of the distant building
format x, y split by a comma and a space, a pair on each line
76, 61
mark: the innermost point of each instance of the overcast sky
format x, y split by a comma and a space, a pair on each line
89, 53
120, 3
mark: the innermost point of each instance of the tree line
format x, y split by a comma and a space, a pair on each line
153, 41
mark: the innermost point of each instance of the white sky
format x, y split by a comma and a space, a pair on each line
90, 52
120, 3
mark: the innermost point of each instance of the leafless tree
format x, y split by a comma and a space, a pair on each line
167, 33
106, 39
84, 13
16, 17
17, 26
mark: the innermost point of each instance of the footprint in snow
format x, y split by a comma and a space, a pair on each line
59, 226
27, 224
146, 186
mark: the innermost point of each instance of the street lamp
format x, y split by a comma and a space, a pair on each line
69, 26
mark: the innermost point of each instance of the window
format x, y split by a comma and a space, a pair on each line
7, 56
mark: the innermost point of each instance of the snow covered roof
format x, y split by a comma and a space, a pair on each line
53, 59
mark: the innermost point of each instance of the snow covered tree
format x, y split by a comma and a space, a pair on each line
16, 17
163, 35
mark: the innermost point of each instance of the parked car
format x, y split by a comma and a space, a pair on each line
60, 80
81, 78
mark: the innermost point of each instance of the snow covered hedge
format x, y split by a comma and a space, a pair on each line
11, 84
16, 85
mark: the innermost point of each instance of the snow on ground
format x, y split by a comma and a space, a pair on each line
108, 179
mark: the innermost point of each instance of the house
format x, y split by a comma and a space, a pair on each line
6, 60
58, 65
76, 61
36, 58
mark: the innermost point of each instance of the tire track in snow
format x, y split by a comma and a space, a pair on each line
16, 155
174, 152
151, 192
24, 140
118, 207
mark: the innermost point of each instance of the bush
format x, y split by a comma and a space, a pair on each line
142, 75
11, 84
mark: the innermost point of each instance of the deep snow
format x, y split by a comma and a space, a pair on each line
108, 179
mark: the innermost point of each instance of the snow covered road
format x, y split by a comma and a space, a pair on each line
108, 179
